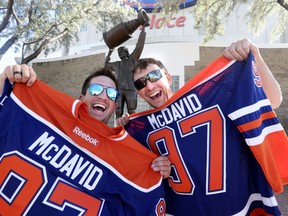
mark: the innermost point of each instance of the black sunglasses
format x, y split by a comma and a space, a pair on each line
96, 89
153, 76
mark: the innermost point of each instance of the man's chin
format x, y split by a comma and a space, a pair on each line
156, 102
98, 116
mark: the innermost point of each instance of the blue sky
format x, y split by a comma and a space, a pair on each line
8, 58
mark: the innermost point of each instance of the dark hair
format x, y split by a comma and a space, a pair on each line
122, 48
104, 71
144, 62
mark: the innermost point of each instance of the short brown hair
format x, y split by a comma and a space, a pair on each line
104, 71
144, 62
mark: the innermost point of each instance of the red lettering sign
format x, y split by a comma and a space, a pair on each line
162, 22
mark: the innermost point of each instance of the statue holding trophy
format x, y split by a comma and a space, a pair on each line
123, 68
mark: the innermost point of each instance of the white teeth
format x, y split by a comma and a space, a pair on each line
99, 106
154, 94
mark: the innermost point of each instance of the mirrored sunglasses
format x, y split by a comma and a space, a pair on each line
153, 76
96, 89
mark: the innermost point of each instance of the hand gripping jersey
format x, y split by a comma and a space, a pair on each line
57, 160
224, 141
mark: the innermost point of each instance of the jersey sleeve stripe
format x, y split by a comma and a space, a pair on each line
256, 123
268, 201
265, 132
248, 109
74, 105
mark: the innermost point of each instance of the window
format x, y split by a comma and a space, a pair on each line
83, 28
175, 83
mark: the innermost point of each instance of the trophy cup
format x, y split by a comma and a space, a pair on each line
124, 30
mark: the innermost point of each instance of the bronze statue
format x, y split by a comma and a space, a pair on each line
123, 69
124, 30
113, 38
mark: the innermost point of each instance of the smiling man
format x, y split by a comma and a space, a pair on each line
216, 130
69, 141
104, 86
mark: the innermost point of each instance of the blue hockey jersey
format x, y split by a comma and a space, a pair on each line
57, 160
225, 143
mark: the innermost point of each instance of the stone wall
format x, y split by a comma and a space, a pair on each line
68, 75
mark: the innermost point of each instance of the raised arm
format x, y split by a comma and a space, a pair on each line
17, 73
240, 50
139, 45
108, 57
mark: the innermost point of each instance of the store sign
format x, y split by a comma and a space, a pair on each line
159, 22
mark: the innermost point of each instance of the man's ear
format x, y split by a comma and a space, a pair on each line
81, 97
169, 78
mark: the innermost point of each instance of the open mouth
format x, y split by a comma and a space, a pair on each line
99, 107
155, 95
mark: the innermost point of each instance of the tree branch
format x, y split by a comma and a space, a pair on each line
9, 43
16, 17
283, 4
45, 34
41, 47
30, 12
5, 21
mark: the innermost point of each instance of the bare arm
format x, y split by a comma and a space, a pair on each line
17, 73
240, 51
